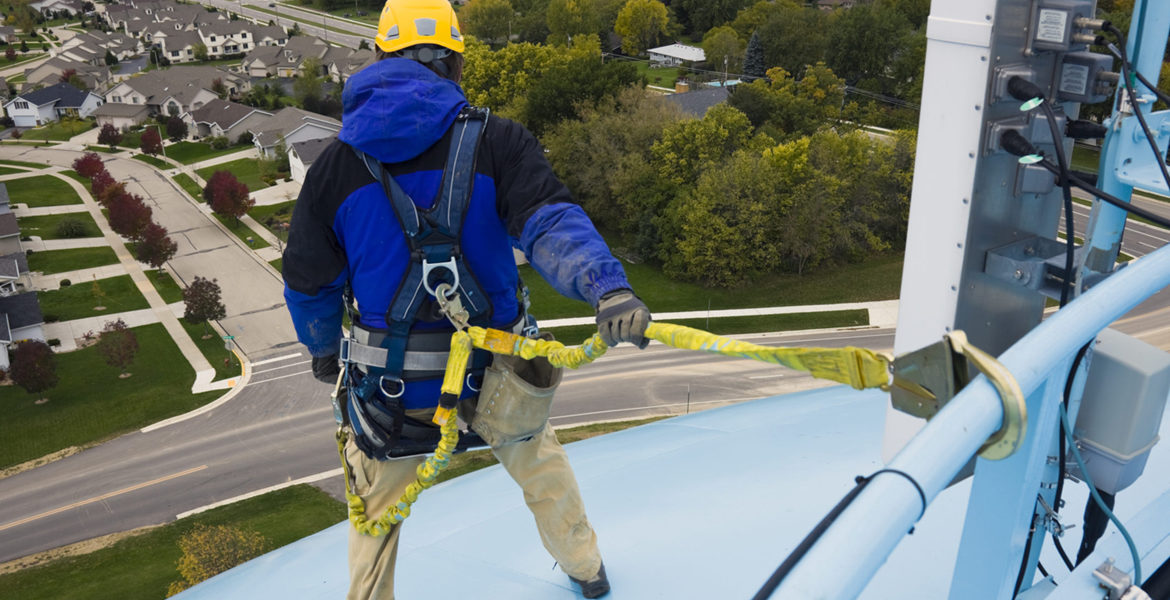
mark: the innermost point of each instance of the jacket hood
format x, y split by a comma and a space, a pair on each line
396, 108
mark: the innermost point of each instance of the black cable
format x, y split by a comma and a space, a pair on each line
1137, 112
1163, 96
1040, 566
1063, 451
1066, 192
806, 544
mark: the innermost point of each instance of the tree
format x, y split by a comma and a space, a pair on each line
110, 58
33, 367
488, 20
219, 88
176, 129
210, 550
203, 302
691, 146
785, 108
155, 248
23, 46
200, 51
724, 49
88, 165
753, 60
129, 215
110, 136
640, 23
100, 182
10, 54
568, 18
703, 15
307, 86
118, 345
863, 43
791, 35
583, 80
227, 196
150, 142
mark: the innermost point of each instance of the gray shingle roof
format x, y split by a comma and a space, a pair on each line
4, 197
221, 112
121, 109
8, 226
697, 102
288, 120
309, 150
22, 310
66, 96
20, 258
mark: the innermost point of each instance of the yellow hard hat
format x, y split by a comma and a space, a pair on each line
406, 23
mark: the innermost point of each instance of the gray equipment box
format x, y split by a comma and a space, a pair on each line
1125, 396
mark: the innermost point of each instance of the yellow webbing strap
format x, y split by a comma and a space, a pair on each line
857, 367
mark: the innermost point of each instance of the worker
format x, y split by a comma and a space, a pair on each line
422, 198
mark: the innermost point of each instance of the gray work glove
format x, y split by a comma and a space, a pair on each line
622, 317
326, 368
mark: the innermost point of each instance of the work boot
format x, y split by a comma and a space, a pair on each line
595, 587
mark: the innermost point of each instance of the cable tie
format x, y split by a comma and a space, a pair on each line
921, 494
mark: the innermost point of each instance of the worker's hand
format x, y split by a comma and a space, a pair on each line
326, 368
622, 317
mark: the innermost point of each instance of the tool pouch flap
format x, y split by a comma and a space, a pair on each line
515, 399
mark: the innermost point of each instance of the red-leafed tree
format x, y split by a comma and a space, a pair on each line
203, 303
88, 165
109, 135
100, 182
151, 142
118, 345
129, 215
227, 196
176, 129
154, 247
34, 367
110, 193
10, 54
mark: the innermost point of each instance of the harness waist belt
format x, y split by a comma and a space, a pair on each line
425, 351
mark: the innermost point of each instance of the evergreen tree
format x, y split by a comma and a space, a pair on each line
753, 60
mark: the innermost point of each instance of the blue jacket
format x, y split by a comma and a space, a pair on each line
344, 229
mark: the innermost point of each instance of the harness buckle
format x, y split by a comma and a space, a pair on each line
382, 386
429, 267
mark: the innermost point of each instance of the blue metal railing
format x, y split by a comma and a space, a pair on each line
857, 544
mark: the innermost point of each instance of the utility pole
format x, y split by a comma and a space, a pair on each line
725, 71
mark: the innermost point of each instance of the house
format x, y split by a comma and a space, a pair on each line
14, 275
176, 90
289, 126
222, 118
270, 35
676, 54
52, 7
176, 46
284, 61
121, 116
697, 103
97, 43
48, 104
341, 67
8, 35
50, 71
302, 154
9, 230
225, 38
20, 319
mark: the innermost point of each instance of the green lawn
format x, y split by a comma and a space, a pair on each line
117, 294
165, 285
157, 163
105, 149
184, 180
1085, 159
143, 566
41, 190
58, 131
243, 232
270, 215
45, 226
131, 139
10, 171
661, 77
193, 152
91, 403
247, 170
20, 163
277, 264
225, 363
60, 261
78, 178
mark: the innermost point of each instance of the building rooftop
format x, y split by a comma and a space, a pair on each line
309, 150
22, 310
697, 102
222, 113
65, 95
681, 52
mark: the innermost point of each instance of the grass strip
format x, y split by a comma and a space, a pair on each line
193, 152
105, 149
274, 217
78, 301
61, 261
20, 163
165, 285
222, 360
42, 190
10, 171
58, 131
184, 180
45, 226
91, 403
157, 163
243, 232
78, 178
247, 170
277, 264
144, 565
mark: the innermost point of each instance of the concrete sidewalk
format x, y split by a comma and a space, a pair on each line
71, 333
36, 244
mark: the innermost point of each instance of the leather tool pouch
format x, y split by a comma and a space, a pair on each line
515, 399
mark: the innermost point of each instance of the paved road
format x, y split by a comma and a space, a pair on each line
311, 21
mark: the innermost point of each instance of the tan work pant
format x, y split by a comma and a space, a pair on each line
539, 466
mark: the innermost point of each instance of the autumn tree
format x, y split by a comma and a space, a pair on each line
100, 182
110, 136
723, 49
785, 108
151, 142
688, 147
568, 18
488, 20
33, 367
641, 23
227, 196
129, 215
10, 54
154, 247
176, 129
790, 34
582, 80
117, 344
88, 165
211, 550
203, 302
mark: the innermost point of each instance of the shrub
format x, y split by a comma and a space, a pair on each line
218, 142
50, 318
54, 342
71, 228
66, 283
208, 551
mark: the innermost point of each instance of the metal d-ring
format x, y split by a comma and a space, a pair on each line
1004, 442
468, 383
382, 386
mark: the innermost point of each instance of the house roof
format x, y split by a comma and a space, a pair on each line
8, 225
309, 150
697, 102
65, 95
22, 310
121, 109
4, 199
681, 52
223, 113
19, 258
288, 120
180, 82
5, 331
